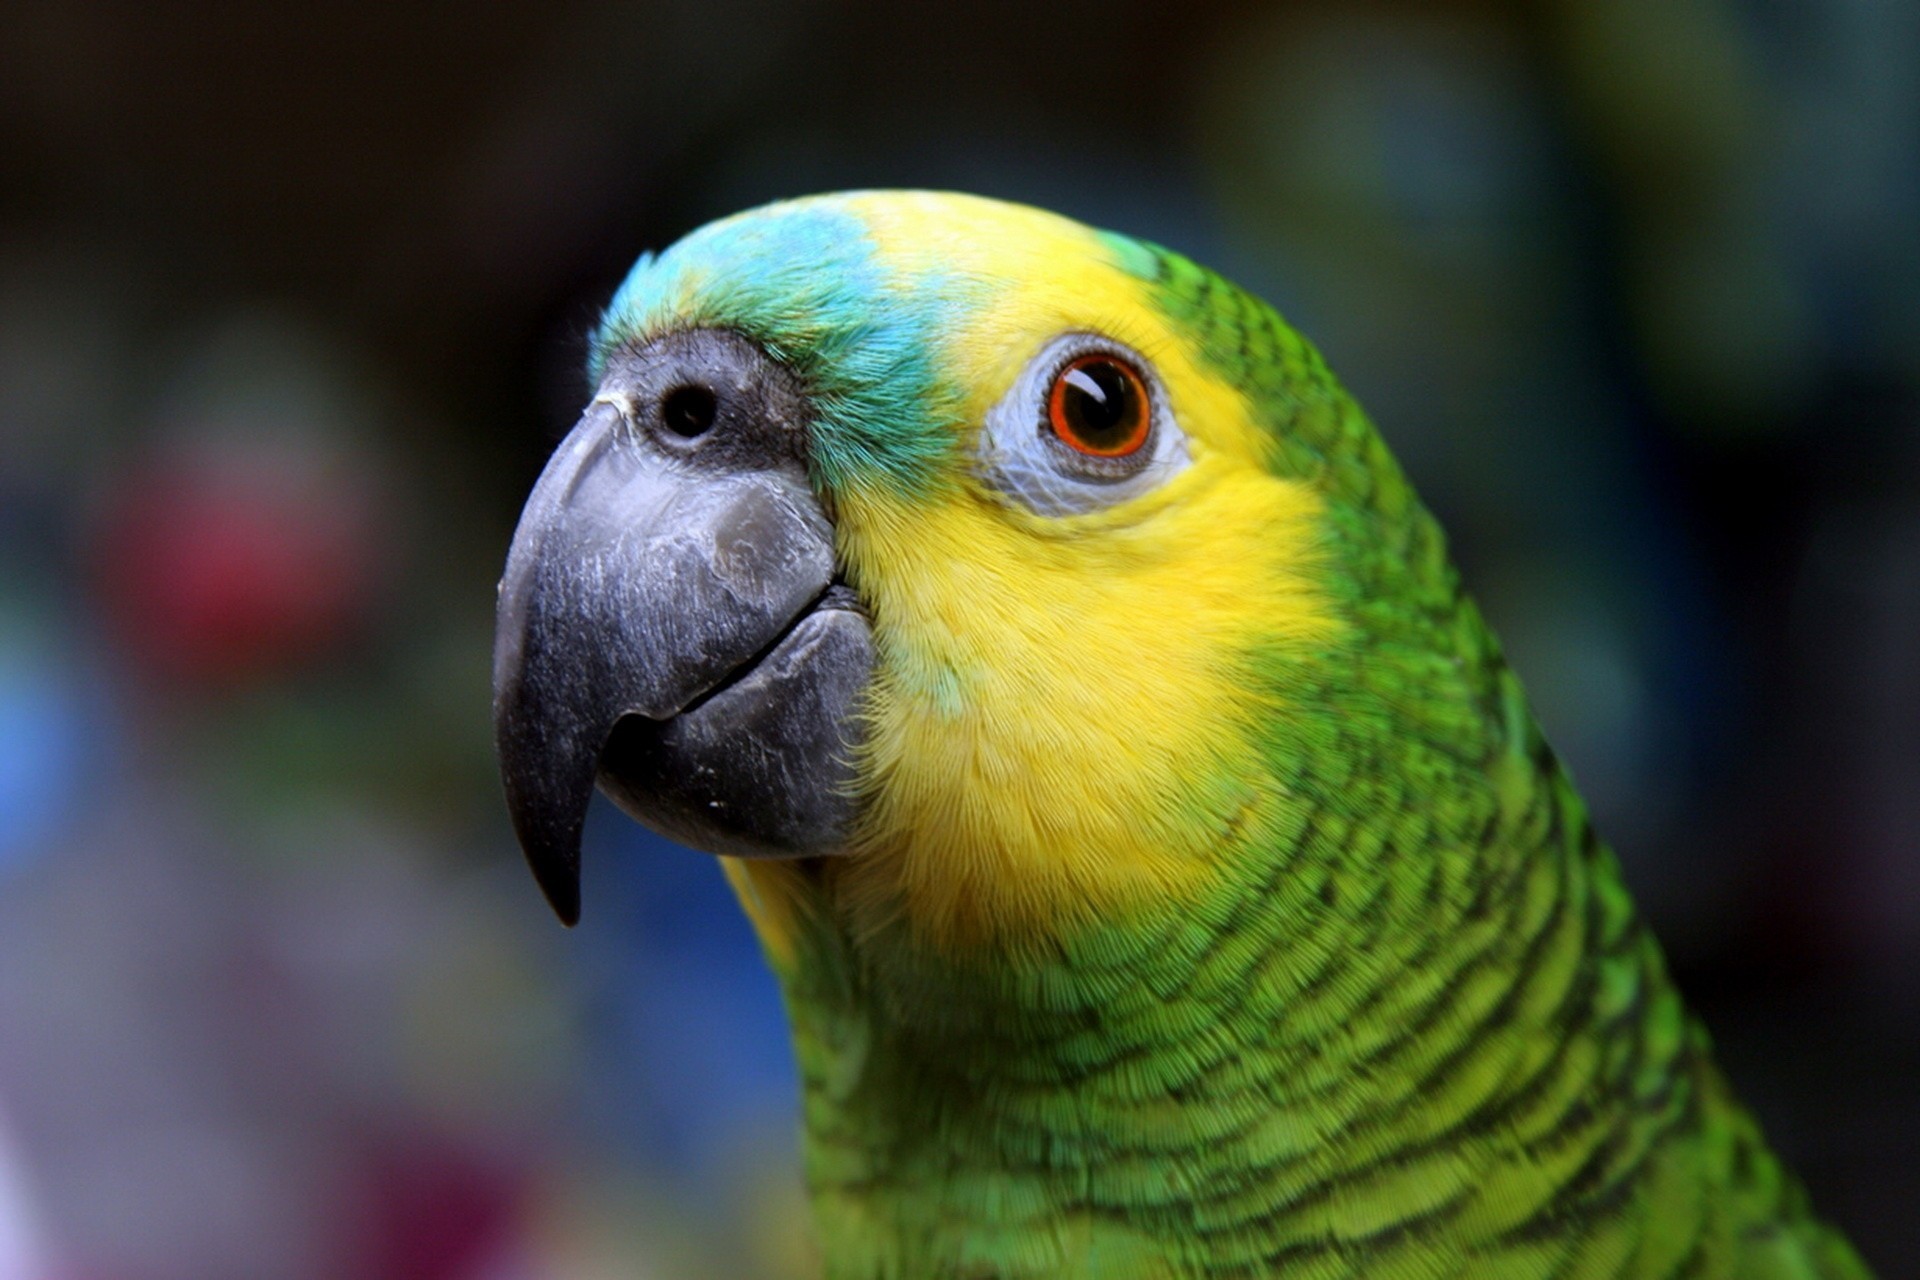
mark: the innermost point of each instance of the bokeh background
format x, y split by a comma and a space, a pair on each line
292, 306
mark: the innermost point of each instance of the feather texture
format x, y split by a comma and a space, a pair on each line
1218, 910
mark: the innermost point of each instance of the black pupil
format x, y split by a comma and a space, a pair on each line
1100, 403
688, 411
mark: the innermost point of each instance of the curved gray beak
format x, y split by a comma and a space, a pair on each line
669, 625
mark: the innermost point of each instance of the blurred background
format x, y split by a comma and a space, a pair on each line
293, 301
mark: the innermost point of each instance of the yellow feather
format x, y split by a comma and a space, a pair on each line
982, 723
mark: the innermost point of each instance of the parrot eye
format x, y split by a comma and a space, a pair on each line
688, 411
1085, 425
1098, 405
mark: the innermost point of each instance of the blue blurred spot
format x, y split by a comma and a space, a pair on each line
43, 739
686, 1017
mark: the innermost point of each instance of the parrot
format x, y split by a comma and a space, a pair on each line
1163, 872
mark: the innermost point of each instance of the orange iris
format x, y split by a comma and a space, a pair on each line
1099, 405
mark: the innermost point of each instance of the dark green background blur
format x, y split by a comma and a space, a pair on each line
292, 305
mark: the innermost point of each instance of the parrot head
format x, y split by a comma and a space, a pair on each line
932, 546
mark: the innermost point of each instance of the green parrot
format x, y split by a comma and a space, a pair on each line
1162, 868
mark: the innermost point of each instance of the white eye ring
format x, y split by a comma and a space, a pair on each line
1021, 457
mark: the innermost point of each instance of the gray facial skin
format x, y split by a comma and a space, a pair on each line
669, 625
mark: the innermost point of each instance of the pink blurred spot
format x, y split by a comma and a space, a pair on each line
222, 572
437, 1210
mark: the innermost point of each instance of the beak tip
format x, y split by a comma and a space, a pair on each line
556, 869
566, 907
547, 818
559, 881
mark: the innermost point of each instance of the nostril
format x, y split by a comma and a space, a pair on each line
688, 411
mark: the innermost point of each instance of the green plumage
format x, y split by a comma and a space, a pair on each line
1415, 1030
